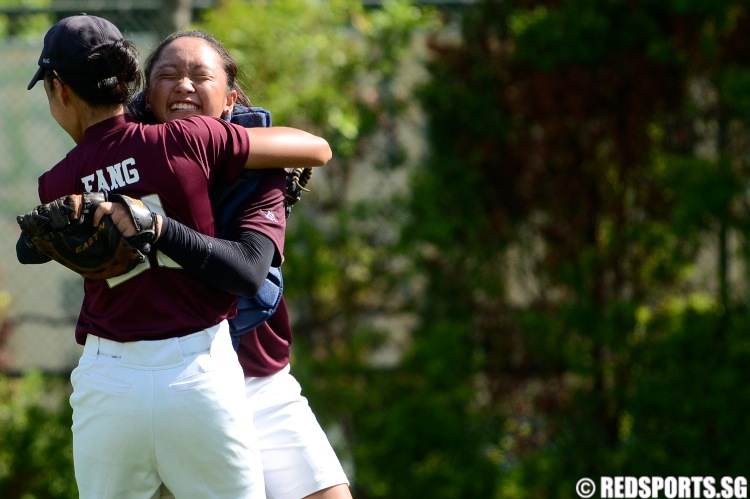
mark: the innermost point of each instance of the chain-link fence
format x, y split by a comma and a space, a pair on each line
40, 303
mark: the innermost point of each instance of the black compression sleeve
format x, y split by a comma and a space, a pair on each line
239, 267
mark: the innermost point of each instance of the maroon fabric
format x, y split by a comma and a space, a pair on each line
179, 161
264, 212
265, 350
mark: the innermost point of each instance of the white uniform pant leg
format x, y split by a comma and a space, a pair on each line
210, 450
167, 410
112, 449
298, 459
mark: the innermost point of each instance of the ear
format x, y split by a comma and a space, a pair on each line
62, 92
231, 99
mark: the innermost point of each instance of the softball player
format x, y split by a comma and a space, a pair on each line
191, 73
158, 396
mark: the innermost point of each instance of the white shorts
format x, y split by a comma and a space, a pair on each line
297, 458
169, 411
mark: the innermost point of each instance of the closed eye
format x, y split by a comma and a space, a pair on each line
167, 76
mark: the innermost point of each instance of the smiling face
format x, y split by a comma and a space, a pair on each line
188, 79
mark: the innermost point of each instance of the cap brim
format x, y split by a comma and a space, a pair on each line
38, 76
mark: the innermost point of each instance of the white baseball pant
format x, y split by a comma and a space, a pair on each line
170, 411
298, 459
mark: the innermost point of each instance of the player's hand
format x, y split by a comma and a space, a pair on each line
121, 218
119, 215
64, 230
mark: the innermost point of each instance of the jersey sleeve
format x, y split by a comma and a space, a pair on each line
221, 148
54, 183
264, 211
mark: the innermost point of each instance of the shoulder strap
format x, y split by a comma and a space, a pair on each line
227, 199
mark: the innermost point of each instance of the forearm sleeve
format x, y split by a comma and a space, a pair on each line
239, 267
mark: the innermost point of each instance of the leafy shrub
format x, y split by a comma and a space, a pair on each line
36, 443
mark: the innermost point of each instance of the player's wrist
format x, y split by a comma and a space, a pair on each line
158, 221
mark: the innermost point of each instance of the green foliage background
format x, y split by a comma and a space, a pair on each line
555, 285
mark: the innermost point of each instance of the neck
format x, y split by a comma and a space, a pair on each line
89, 116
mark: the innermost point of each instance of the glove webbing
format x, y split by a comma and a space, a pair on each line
296, 180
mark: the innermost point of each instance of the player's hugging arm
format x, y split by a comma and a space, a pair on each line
239, 267
285, 147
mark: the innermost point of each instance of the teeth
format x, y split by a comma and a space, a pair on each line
183, 106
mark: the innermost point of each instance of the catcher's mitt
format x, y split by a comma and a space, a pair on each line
296, 180
63, 231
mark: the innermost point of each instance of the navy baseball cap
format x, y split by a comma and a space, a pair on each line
69, 43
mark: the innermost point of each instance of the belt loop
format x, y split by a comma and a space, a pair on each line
91, 345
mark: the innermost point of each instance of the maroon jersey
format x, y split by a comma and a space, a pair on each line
264, 212
171, 167
265, 350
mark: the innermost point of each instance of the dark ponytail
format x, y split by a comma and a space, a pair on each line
112, 75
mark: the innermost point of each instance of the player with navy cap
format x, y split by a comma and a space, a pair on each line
158, 392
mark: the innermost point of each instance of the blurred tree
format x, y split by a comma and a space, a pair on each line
592, 148
16, 22
176, 15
